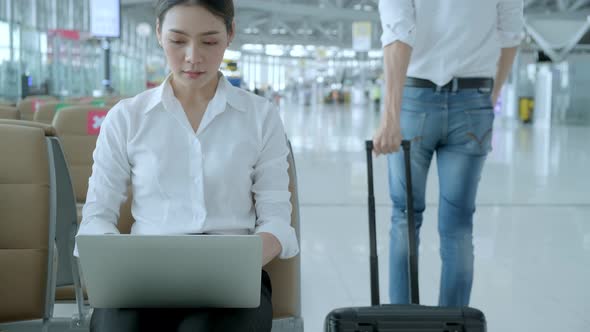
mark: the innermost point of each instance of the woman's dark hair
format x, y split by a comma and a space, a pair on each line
223, 9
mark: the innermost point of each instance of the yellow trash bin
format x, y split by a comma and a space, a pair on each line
526, 107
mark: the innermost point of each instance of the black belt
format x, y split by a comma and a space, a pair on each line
454, 85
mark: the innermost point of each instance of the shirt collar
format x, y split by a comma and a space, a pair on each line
225, 94
156, 95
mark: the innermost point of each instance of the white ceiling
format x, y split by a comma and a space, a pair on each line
329, 22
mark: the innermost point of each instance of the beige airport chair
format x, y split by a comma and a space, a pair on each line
47, 129
76, 100
46, 112
26, 109
69, 285
78, 145
66, 223
71, 126
9, 112
113, 100
47, 97
285, 275
26, 106
5, 102
28, 254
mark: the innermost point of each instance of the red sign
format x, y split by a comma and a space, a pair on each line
65, 34
95, 119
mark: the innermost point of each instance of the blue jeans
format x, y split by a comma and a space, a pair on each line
458, 127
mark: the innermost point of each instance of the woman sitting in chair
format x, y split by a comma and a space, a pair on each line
198, 153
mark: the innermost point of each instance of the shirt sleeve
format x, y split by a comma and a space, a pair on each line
398, 21
107, 186
271, 185
510, 22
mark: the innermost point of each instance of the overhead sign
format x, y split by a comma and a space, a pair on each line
361, 36
105, 18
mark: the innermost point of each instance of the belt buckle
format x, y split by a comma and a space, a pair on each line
454, 85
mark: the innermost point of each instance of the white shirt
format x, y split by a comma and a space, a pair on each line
452, 38
187, 182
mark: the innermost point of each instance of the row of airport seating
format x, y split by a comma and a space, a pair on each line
43, 108
44, 173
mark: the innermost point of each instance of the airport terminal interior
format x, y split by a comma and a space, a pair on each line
320, 63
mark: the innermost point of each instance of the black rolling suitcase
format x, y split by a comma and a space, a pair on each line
397, 318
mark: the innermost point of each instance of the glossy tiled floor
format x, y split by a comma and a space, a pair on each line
532, 228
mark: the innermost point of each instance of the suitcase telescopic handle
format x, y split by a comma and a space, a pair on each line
412, 249
412, 254
373, 260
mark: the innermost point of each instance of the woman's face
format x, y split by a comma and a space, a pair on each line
194, 41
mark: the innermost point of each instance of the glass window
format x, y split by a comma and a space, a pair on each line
4, 34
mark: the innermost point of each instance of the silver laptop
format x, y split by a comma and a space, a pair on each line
180, 271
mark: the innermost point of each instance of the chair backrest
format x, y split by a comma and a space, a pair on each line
25, 107
66, 221
285, 274
113, 100
78, 142
45, 112
48, 130
71, 124
43, 97
5, 102
28, 106
9, 112
27, 216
